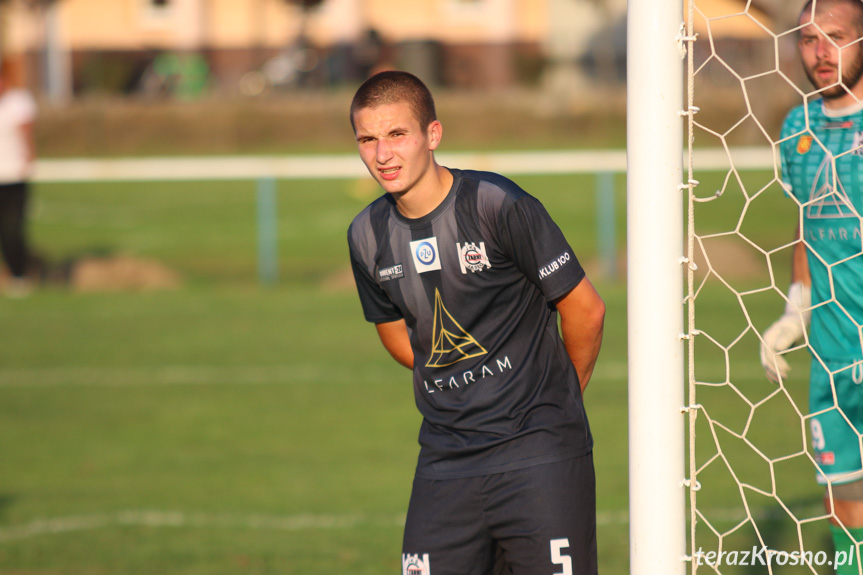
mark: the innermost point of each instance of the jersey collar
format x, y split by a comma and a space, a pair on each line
841, 112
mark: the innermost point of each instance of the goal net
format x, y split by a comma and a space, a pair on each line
754, 505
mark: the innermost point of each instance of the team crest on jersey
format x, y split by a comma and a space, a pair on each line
472, 257
425, 254
804, 144
413, 565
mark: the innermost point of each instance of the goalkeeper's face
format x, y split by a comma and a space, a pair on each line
831, 51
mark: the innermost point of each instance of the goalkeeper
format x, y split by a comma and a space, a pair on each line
822, 169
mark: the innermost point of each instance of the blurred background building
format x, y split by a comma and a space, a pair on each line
572, 53
75, 47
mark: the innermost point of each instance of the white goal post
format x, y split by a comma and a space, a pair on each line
655, 287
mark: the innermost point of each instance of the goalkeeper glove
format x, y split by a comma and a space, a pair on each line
786, 331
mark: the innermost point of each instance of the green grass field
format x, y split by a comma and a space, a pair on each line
228, 427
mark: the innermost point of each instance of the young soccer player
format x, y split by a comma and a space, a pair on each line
465, 276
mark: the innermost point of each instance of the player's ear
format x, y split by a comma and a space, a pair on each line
435, 133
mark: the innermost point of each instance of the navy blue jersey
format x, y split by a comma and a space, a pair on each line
474, 281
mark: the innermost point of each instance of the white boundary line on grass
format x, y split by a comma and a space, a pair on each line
180, 519
349, 165
151, 518
161, 375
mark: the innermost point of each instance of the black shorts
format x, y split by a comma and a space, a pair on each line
539, 520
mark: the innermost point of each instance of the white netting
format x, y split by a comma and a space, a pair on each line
752, 490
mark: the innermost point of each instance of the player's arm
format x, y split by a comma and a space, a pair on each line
790, 328
394, 336
582, 316
800, 265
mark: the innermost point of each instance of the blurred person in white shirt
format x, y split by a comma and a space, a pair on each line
17, 155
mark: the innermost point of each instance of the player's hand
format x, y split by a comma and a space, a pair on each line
783, 334
786, 331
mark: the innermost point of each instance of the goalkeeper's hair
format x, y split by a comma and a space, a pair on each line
813, 6
393, 87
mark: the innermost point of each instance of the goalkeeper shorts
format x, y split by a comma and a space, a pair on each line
540, 519
837, 425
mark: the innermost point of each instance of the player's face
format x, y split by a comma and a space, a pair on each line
394, 147
829, 45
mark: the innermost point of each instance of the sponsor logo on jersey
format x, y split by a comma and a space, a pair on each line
425, 255
456, 381
857, 149
472, 257
554, 265
450, 342
804, 144
391, 273
839, 125
826, 201
413, 565
825, 458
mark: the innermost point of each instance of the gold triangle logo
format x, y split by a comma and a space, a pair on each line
450, 342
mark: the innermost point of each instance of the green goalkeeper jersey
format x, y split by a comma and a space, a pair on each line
822, 168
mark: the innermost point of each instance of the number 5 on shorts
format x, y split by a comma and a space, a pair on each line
558, 558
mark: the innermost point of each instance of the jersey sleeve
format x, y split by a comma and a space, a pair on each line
539, 248
792, 137
376, 304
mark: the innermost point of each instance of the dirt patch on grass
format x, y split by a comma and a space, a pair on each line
340, 281
121, 273
100, 273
